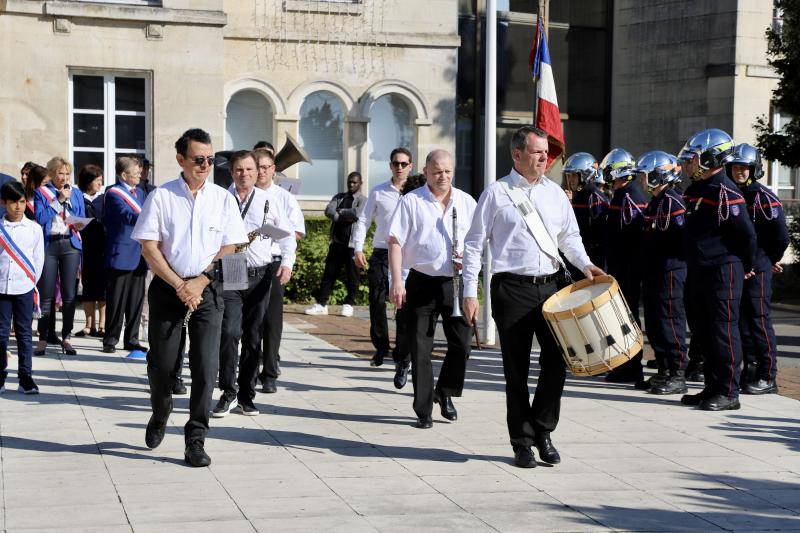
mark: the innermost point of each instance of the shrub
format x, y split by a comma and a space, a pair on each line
310, 264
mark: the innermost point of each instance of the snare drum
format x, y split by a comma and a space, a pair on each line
593, 326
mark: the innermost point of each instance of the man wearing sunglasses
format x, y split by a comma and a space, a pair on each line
380, 207
185, 227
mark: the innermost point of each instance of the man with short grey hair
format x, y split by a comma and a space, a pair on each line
526, 269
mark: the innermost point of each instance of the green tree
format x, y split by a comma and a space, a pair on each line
784, 56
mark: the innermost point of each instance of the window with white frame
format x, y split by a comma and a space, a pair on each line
322, 137
391, 125
151, 3
109, 117
785, 180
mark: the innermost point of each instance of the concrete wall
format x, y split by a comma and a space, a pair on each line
674, 69
180, 45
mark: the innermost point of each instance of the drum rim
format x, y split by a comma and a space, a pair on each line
599, 368
585, 308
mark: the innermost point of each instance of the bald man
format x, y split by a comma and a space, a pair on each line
426, 233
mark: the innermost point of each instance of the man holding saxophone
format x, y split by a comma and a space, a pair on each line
244, 309
423, 237
526, 267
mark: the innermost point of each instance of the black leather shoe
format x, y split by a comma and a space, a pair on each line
695, 373
195, 455
67, 349
651, 382
762, 386
377, 359
270, 386
694, 399
719, 402
154, 433
673, 385
547, 451
524, 458
400, 375
108, 348
179, 389
446, 403
652, 363
132, 347
424, 422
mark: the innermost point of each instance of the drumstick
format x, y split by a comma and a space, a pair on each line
477, 335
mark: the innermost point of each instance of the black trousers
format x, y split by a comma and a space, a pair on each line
61, 260
427, 298
665, 317
517, 311
17, 308
124, 302
378, 277
719, 293
758, 335
628, 273
693, 311
242, 320
272, 327
339, 256
166, 338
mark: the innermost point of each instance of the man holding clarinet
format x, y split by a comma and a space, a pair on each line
423, 237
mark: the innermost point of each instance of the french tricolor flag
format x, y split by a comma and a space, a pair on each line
548, 117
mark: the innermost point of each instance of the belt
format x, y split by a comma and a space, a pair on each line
533, 280
59, 237
380, 251
277, 258
255, 271
427, 276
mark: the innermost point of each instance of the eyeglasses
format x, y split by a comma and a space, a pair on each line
400, 164
265, 167
199, 160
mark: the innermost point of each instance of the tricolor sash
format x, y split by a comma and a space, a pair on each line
19, 257
58, 208
127, 197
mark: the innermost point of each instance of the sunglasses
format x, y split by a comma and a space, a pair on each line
199, 160
400, 164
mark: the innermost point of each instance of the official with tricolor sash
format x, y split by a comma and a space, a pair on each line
126, 269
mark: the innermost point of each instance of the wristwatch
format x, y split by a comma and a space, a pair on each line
210, 274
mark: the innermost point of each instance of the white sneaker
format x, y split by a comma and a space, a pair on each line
347, 310
317, 309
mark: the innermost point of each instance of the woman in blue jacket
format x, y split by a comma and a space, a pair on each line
54, 204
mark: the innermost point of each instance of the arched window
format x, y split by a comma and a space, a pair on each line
391, 125
248, 120
321, 136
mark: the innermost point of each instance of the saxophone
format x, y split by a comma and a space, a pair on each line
256, 232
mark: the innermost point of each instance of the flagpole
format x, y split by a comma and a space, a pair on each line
536, 79
490, 153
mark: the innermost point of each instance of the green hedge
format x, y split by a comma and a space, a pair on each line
308, 269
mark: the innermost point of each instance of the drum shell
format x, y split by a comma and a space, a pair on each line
595, 336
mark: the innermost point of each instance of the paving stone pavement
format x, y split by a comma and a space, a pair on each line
335, 450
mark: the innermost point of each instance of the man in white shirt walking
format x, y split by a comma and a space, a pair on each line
421, 238
283, 259
380, 207
185, 227
525, 273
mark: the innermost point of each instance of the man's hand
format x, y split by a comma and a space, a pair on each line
360, 260
79, 226
750, 274
457, 265
64, 194
470, 309
591, 271
192, 290
398, 293
776, 268
194, 303
284, 275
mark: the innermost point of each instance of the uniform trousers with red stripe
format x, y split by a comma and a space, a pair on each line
758, 335
665, 317
719, 296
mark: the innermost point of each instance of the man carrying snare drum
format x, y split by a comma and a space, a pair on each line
526, 219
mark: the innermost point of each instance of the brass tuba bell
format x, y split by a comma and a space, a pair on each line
291, 154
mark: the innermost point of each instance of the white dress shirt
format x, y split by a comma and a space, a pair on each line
190, 230
512, 246
259, 253
380, 206
425, 231
289, 204
28, 237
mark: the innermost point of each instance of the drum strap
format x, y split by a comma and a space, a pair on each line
533, 220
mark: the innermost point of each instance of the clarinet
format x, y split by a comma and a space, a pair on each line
456, 295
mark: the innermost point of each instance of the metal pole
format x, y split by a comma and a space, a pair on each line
490, 152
